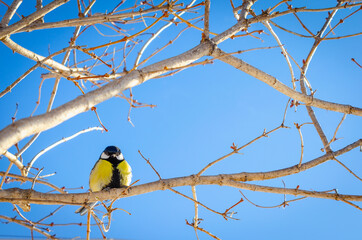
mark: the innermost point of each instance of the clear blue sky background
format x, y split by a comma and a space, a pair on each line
200, 112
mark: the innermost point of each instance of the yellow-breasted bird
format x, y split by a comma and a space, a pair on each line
110, 171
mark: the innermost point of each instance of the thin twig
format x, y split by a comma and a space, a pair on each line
285, 111
25, 224
148, 161
190, 24
126, 38
236, 150
349, 170
301, 143
311, 113
6, 174
284, 51
335, 132
340, 22
155, 35
179, 193
352, 204
206, 32
23, 178
138, 64
38, 64
22, 216
353, 60
224, 215
99, 223
285, 203
30, 164
202, 230
196, 217
227, 210
88, 223
36, 176
276, 5
300, 21
50, 214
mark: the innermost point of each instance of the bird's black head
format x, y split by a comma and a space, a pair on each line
112, 151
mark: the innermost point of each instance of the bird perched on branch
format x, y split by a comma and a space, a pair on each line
110, 171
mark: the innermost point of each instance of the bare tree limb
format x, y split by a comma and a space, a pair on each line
99, 76
15, 195
31, 18
10, 13
10, 136
295, 169
277, 85
36, 57
91, 20
12, 158
311, 113
207, 20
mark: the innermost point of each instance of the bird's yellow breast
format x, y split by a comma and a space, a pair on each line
101, 175
126, 173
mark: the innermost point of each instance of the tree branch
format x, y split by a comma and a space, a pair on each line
10, 12
15, 195
91, 20
31, 18
36, 57
277, 85
18, 196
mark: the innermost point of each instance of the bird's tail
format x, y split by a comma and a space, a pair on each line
83, 210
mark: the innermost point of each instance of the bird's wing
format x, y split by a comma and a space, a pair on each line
126, 173
101, 175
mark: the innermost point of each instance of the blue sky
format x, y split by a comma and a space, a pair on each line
200, 112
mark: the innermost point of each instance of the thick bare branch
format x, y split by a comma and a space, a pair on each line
98, 84
83, 21
10, 12
28, 126
277, 85
12, 158
16, 195
31, 18
36, 57
258, 176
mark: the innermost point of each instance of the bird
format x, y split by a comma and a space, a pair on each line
110, 171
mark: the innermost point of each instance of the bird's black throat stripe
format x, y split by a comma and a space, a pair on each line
116, 175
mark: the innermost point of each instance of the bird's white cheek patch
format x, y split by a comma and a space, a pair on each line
120, 157
104, 156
